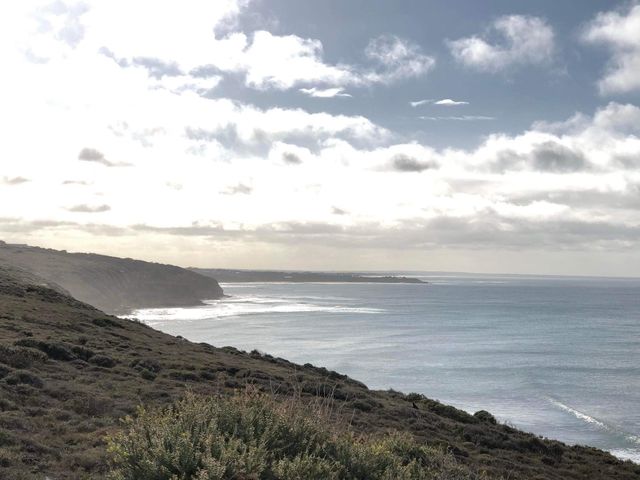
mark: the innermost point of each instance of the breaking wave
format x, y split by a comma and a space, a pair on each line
246, 305
632, 454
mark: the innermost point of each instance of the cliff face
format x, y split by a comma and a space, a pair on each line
112, 284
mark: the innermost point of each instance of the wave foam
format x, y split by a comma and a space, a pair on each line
624, 453
245, 305
580, 415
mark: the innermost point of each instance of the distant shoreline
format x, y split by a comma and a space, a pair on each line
274, 276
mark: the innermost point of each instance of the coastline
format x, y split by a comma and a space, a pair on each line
330, 325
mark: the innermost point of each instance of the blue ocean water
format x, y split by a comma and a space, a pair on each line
557, 356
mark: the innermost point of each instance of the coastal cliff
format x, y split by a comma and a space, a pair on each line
69, 373
115, 285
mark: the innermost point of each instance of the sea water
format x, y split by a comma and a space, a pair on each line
556, 356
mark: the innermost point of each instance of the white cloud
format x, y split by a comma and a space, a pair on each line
465, 118
398, 58
418, 103
283, 62
191, 46
450, 103
219, 172
620, 32
526, 40
325, 93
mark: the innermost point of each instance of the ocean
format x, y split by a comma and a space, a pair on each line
556, 356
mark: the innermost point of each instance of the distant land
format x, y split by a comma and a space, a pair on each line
69, 373
115, 285
242, 276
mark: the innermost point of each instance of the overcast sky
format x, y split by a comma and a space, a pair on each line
457, 135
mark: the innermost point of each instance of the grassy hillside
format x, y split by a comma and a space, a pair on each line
69, 373
113, 284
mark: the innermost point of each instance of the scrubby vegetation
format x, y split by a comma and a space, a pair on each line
256, 436
69, 373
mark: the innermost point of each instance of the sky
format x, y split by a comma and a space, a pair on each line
453, 135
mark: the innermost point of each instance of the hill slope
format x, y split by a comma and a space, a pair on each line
68, 372
113, 284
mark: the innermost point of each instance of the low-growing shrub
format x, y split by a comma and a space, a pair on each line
146, 364
103, 361
4, 371
252, 436
485, 417
19, 377
20, 357
82, 352
148, 375
55, 351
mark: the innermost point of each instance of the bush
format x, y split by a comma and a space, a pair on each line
253, 436
54, 351
485, 417
23, 377
20, 357
103, 361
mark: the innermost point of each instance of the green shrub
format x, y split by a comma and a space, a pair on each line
252, 436
485, 417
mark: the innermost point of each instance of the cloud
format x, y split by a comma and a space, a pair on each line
240, 188
281, 62
525, 40
291, 158
569, 184
14, 180
546, 156
418, 103
487, 230
449, 102
619, 31
338, 211
406, 163
93, 155
462, 118
157, 68
553, 157
84, 208
75, 182
399, 58
325, 93
244, 129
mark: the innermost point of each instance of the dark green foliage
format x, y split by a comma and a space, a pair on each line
485, 417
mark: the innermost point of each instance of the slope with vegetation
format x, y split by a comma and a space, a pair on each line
69, 373
113, 284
